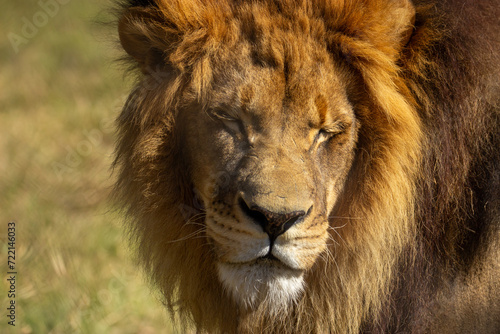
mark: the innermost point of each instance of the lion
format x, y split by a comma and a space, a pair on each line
323, 166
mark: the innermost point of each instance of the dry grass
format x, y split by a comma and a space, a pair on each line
59, 95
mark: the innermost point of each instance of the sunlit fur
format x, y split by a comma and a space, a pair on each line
419, 206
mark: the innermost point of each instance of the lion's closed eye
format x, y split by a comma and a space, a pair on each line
231, 122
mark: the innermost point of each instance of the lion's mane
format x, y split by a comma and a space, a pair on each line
423, 194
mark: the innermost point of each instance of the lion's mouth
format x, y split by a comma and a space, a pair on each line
269, 256
267, 260
279, 258
272, 255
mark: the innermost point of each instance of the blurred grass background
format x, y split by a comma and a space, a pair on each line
59, 95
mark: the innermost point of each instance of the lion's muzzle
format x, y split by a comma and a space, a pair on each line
273, 223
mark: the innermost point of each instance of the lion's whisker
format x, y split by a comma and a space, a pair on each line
342, 217
335, 241
336, 227
189, 236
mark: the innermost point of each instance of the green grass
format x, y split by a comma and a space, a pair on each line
75, 272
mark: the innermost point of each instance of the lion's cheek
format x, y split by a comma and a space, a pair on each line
235, 242
238, 251
301, 251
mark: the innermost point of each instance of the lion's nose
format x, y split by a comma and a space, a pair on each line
272, 223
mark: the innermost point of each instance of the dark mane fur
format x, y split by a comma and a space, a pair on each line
458, 212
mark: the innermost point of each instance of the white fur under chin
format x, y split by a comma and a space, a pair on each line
262, 282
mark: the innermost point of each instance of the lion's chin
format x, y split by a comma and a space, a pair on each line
262, 281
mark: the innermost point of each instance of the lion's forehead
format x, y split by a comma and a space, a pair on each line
305, 97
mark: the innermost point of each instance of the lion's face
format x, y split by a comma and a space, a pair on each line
285, 121
268, 157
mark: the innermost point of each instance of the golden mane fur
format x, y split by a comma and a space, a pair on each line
419, 207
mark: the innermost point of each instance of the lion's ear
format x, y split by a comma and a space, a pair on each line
403, 22
143, 36
388, 24
385, 25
